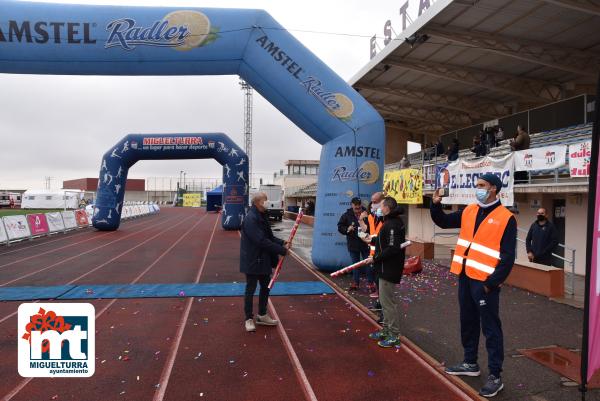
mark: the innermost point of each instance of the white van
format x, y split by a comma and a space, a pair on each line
274, 200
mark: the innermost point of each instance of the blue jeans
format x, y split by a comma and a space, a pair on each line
357, 257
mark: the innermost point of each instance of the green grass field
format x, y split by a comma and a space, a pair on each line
12, 212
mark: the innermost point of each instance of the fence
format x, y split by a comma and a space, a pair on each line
28, 226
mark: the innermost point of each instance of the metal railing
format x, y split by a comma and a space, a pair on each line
570, 290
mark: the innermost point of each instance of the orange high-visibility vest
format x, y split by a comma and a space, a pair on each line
479, 251
374, 229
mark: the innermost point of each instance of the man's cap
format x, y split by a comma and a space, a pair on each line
493, 179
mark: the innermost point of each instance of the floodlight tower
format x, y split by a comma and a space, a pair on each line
248, 125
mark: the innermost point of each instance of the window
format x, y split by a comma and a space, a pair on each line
296, 169
49, 197
31, 197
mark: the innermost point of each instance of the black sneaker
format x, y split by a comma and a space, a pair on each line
464, 369
492, 387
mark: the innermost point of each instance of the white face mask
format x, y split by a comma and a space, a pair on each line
375, 206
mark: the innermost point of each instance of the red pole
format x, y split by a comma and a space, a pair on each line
290, 239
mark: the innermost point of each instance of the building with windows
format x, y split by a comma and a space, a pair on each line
296, 180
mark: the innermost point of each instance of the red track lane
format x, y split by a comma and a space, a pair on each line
21, 274
7, 309
130, 320
307, 358
47, 246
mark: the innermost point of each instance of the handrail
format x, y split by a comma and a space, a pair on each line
561, 245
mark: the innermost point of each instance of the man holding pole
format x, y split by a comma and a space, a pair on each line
483, 259
389, 265
260, 251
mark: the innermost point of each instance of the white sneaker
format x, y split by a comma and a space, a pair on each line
266, 320
250, 325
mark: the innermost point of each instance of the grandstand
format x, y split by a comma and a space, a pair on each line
463, 66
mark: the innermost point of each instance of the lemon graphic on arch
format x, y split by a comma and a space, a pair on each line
197, 24
373, 169
346, 107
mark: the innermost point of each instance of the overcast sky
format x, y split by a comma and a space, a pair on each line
60, 126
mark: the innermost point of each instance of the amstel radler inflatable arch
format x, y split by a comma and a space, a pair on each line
42, 38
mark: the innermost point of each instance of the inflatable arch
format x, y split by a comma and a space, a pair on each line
132, 148
42, 38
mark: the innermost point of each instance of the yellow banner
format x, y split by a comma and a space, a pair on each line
406, 185
191, 200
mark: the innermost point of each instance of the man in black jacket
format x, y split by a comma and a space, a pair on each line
259, 253
349, 226
541, 239
389, 265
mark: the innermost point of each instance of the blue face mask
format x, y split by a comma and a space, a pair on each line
482, 194
379, 212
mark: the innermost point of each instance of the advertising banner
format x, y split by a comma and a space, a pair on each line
191, 200
69, 219
590, 353
406, 186
463, 177
3, 236
81, 218
546, 158
442, 176
580, 155
55, 222
38, 224
16, 227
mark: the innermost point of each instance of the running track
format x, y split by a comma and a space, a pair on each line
196, 348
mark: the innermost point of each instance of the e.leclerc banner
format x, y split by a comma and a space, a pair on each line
464, 174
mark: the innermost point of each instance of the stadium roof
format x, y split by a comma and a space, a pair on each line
472, 61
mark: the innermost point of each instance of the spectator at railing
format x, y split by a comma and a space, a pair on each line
498, 136
453, 150
478, 148
404, 162
521, 140
439, 148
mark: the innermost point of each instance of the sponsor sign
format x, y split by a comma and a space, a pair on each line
546, 158
55, 222
69, 219
3, 235
38, 224
463, 177
81, 218
56, 340
580, 155
16, 227
181, 30
337, 104
368, 172
406, 186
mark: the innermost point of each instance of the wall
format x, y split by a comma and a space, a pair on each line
91, 184
421, 227
395, 144
575, 223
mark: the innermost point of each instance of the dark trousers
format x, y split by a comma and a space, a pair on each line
478, 308
263, 296
357, 257
543, 260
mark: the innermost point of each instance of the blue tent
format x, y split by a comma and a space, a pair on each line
214, 198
